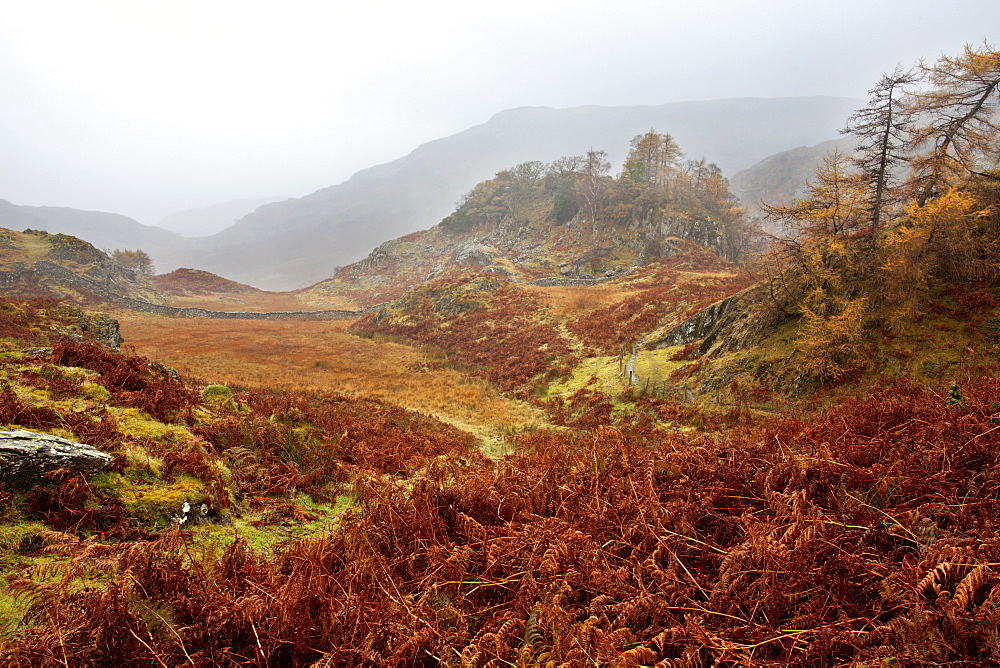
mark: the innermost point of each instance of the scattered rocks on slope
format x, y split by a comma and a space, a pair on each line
477, 253
25, 455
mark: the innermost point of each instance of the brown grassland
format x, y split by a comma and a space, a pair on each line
255, 303
306, 354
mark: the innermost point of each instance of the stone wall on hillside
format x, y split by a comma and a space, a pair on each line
49, 269
566, 282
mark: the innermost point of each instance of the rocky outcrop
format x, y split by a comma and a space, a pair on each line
95, 326
701, 231
25, 455
102, 328
731, 324
549, 282
477, 253
699, 326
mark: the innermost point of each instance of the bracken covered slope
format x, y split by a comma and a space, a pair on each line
863, 533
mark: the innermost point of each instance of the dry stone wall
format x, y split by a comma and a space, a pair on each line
49, 269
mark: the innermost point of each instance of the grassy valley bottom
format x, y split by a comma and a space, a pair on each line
241, 526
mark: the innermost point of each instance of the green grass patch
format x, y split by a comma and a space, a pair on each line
656, 365
138, 424
216, 394
17, 541
604, 369
150, 502
266, 529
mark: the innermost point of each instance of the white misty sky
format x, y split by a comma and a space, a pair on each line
150, 107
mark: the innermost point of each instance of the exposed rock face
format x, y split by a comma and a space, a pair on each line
700, 326
25, 455
104, 329
477, 253
730, 325
98, 326
703, 232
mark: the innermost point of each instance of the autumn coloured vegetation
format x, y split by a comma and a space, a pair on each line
469, 476
865, 531
693, 280
197, 282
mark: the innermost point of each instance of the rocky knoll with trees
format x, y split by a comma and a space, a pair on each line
286, 245
566, 219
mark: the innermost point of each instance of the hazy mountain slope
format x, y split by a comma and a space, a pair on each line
209, 220
288, 244
780, 178
103, 230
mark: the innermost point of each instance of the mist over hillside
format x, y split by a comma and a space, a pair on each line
780, 178
102, 229
209, 220
290, 244
297, 242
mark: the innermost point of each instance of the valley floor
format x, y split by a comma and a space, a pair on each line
306, 354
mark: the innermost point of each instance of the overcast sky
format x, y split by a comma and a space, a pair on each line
146, 108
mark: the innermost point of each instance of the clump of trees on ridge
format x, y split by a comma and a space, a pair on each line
137, 260
655, 187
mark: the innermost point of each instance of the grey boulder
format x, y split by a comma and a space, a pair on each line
25, 455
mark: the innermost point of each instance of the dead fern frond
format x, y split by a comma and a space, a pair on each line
926, 532
940, 579
470, 527
43, 598
638, 656
326, 661
471, 656
967, 588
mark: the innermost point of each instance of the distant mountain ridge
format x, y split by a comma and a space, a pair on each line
289, 244
297, 242
102, 229
209, 220
782, 177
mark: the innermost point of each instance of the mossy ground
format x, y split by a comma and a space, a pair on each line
18, 556
266, 529
150, 496
607, 372
656, 366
